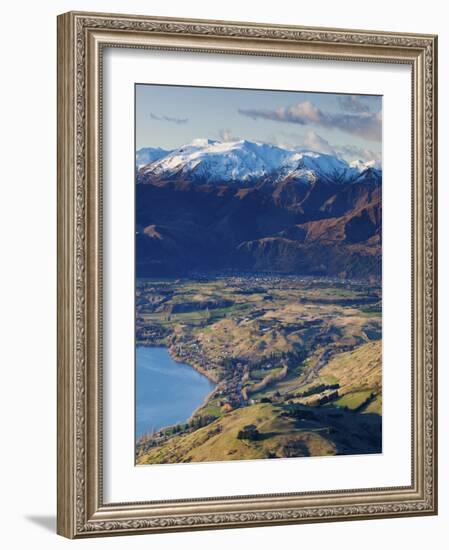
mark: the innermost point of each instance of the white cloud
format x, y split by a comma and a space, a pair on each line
363, 124
353, 104
225, 134
169, 118
317, 143
312, 141
351, 153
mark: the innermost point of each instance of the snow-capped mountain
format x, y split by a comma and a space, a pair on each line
250, 206
146, 155
212, 161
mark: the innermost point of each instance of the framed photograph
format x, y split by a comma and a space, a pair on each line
246, 274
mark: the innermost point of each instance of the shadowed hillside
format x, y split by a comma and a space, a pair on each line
309, 214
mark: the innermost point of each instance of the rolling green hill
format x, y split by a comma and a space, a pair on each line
296, 426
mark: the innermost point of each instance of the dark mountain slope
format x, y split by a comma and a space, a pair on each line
295, 221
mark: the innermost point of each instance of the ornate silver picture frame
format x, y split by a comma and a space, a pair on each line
82, 509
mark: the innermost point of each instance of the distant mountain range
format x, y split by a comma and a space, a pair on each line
256, 207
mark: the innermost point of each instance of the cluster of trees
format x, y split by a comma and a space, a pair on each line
199, 421
178, 428
249, 432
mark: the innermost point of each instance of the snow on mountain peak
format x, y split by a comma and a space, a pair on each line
216, 161
362, 165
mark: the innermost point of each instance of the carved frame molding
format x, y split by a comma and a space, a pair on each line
81, 39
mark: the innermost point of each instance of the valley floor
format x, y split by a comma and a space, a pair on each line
297, 363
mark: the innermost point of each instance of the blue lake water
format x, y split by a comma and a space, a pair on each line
167, 392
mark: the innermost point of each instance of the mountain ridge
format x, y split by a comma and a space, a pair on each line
214, 205
212, 161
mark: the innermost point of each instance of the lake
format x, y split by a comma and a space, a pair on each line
167, 392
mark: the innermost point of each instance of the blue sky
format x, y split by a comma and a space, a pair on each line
171, 116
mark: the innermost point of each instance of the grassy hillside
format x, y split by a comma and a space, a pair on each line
298, 360
300, 426
219, 441
359, 373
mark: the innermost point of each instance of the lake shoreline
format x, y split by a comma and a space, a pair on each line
203, 404
202, 371
211, 379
